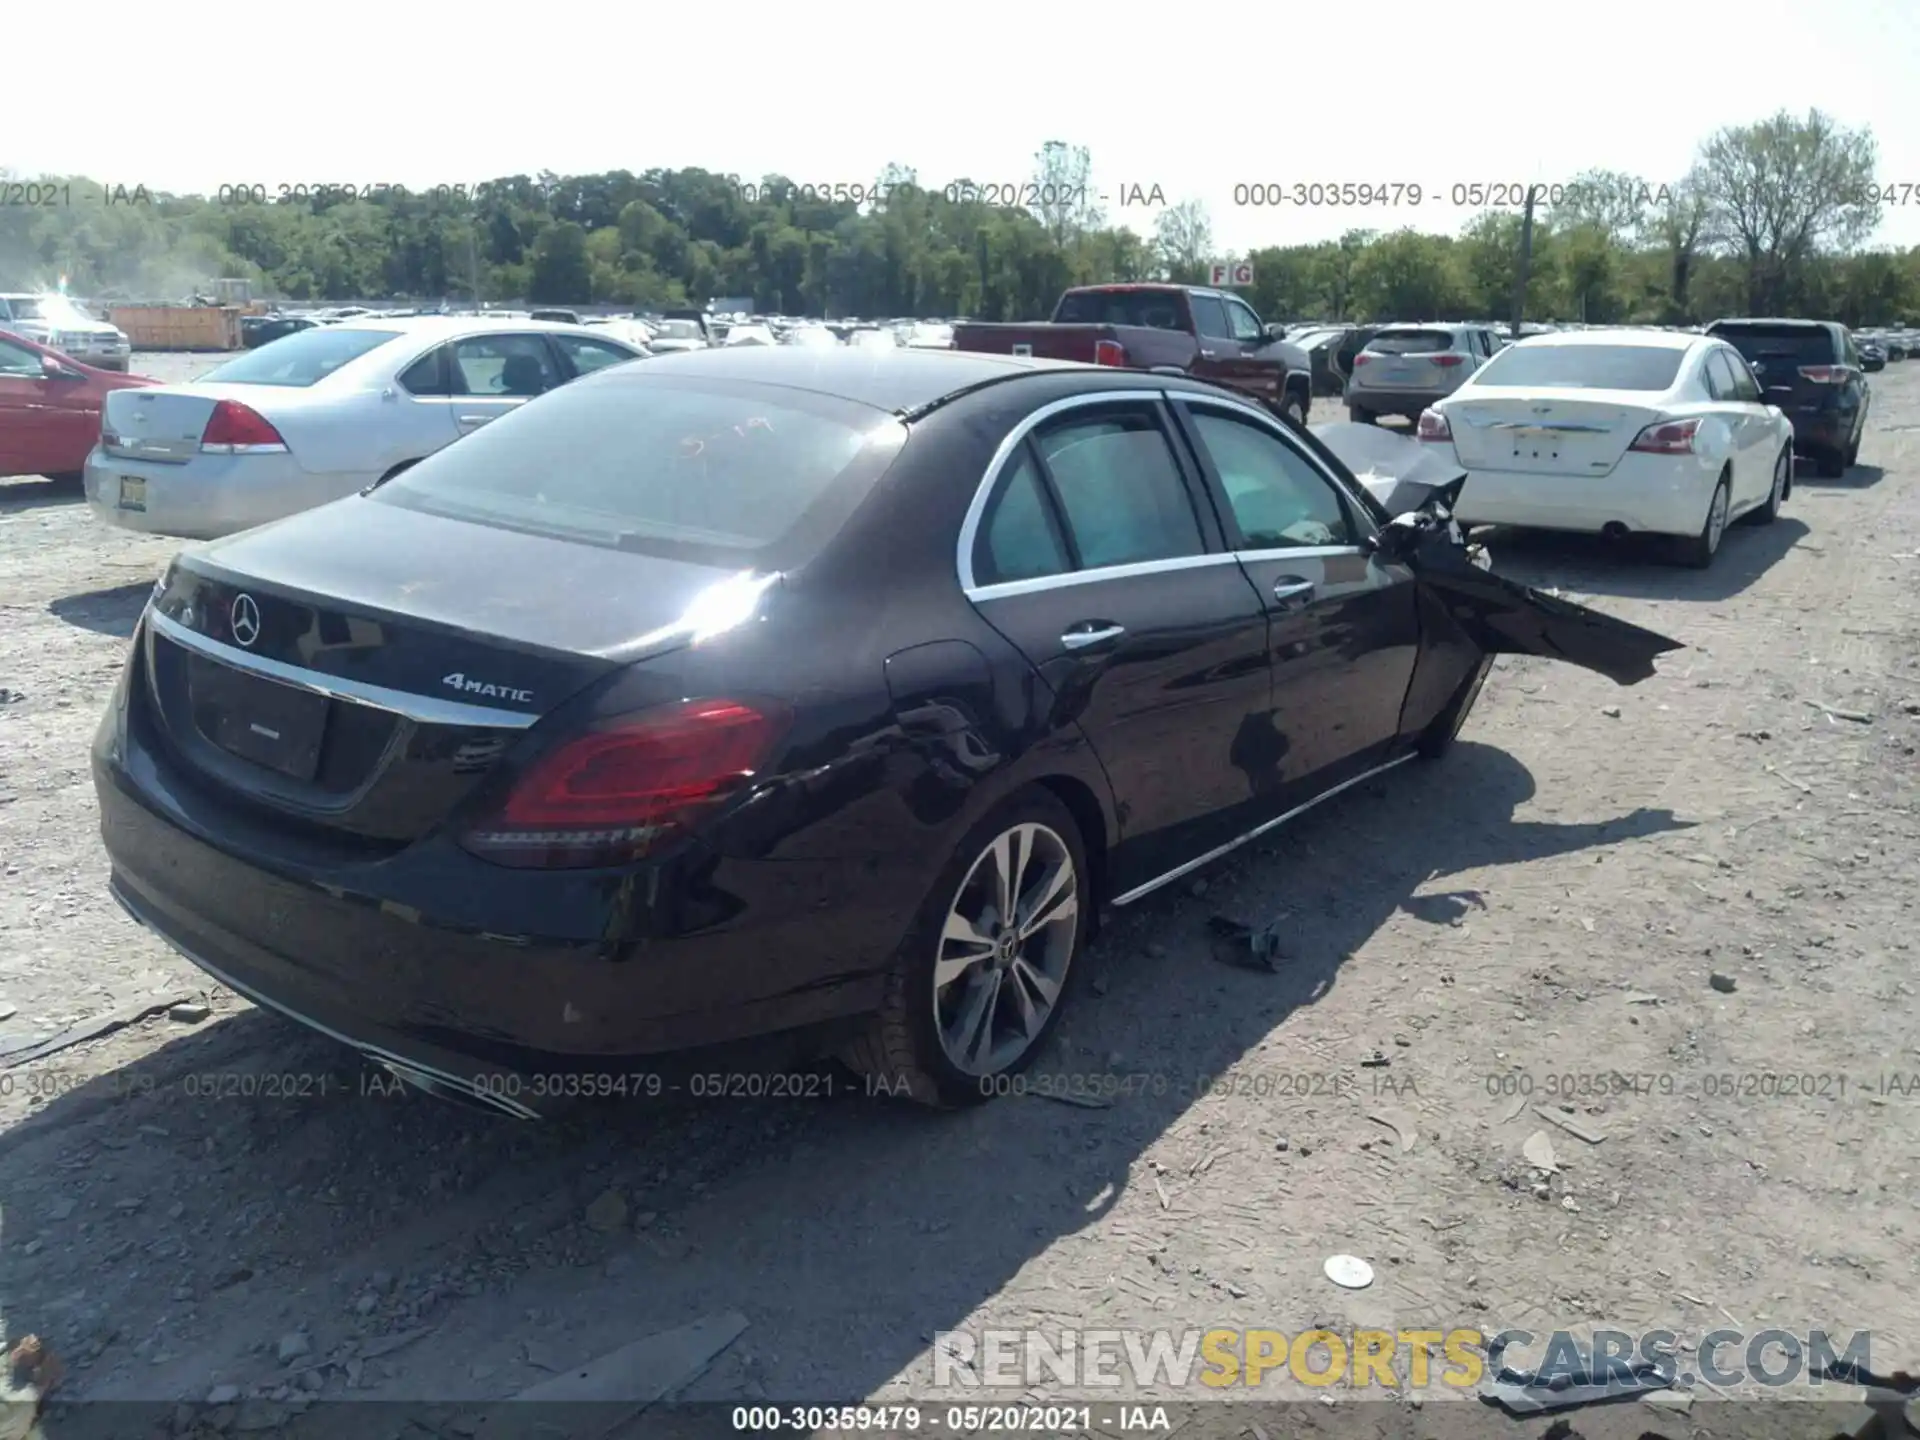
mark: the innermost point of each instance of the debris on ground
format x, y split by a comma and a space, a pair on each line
189, 1012
1538, 1151
608, 1212
1572, 1126
1567, 1379
1723, 982
1242, 946
1858, 717
1402, 1127
26, 1052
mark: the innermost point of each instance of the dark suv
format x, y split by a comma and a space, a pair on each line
1812, 370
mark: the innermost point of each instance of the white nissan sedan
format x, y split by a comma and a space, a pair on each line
321, 414
1616, 432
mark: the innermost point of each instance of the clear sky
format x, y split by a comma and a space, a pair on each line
1425, 92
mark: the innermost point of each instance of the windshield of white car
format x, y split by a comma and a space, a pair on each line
304, 358
1581, 367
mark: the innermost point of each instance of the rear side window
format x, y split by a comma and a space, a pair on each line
1411, 342
1794, 344
1020, 539
519, 365
712, 471
302, 359
1582, 367
1209, 316
1719, 376
427, 375
1120, 489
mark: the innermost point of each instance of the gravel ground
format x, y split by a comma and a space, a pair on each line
1679, 889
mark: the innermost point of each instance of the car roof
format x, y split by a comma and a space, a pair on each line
895, 381
429, 327
1648, 339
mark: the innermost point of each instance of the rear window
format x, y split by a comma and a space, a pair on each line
1801, 344
1155, 309
711, 471
1411, 342
301, 359
1583, 367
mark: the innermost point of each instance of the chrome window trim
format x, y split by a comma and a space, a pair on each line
1356, 509
981, 593
976, 511
1300, 552
425, 709
1261, 829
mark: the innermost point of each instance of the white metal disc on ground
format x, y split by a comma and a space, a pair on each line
1349, 1272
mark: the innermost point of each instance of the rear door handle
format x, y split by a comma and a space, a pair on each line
1092, 632
1207, 354
1292, 590
471, 422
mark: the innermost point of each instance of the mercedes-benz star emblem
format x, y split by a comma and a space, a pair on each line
244, 616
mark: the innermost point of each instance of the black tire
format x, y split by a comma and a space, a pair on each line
69, 479
1777, 493
1832, 464
1294, 408
1853, 450
1362, 417
901, 1052
1700, 550
1437, 739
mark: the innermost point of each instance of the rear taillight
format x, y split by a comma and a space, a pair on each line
1447, 362
1433, 426
1825, 374
1669, 437
236, 429
1360, 360
1109, 352
622, 791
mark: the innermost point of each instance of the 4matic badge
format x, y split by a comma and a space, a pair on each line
466, 685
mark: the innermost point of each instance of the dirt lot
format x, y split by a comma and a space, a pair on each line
1541, 911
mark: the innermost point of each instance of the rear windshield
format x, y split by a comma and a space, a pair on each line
1802, 344
1411, 342
1156, 309
710, 471
301, 359
1583, 367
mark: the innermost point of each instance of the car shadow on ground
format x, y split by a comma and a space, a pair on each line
35, 492
105, 612
1857, 477
848, 1230
1641, 567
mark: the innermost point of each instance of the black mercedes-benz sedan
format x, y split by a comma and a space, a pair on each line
774, 691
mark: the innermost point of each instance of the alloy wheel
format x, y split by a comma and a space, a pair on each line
1005, 948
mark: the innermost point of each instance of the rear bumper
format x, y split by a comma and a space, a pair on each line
493, 982
210, 495
1817, 430
1655, 494
1383, 401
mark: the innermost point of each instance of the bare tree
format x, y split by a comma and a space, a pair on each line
1064, 199
1184, 237
1786, 189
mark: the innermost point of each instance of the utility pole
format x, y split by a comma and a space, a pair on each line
473, 265
1526, 262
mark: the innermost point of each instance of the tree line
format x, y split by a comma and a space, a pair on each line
1771, 218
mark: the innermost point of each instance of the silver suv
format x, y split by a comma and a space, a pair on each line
61, 324
1406, 368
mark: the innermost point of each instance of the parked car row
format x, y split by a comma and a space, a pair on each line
66, 326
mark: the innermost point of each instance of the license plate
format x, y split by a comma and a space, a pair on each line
1397, 372
133, 493
274, 725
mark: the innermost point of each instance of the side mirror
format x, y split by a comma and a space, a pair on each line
1274, 332
1397, 539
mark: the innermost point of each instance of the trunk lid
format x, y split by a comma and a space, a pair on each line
164, 423
1573, 432
353, 675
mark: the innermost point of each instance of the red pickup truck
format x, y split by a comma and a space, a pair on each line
1209, 334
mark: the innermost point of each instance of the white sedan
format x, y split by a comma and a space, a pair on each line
321, 414
1616, 432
